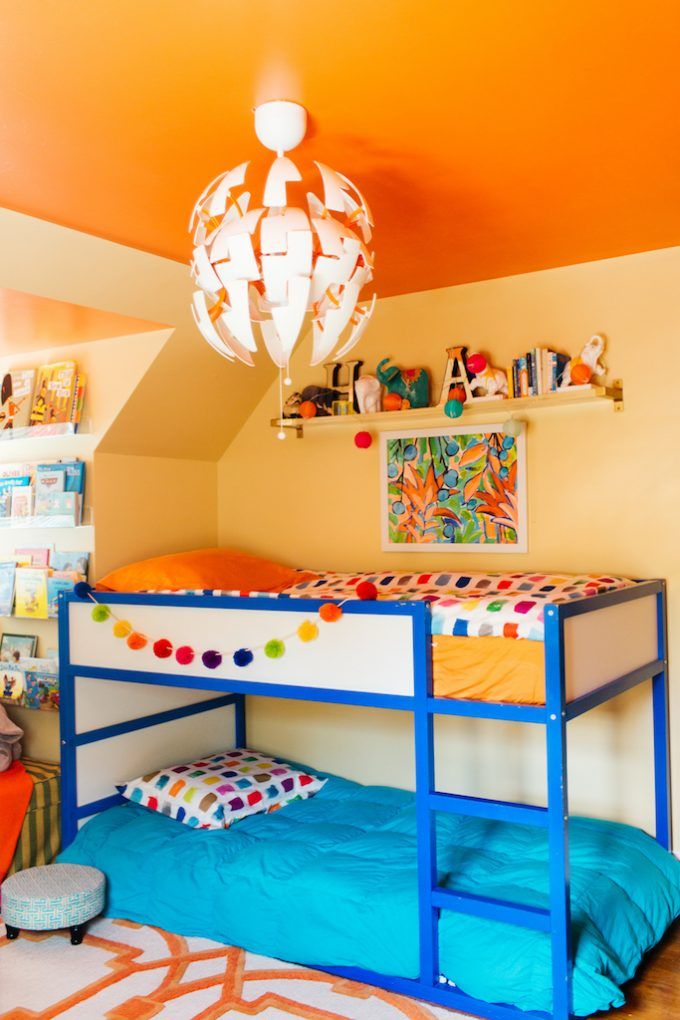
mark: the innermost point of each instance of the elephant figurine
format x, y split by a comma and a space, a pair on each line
367, 390
411, 384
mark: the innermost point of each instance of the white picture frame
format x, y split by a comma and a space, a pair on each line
428, 529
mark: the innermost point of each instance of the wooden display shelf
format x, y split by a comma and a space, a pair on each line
480, 409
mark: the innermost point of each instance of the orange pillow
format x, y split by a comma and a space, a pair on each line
227, 569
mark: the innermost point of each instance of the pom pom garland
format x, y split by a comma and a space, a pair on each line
475, 363
122, 628
274, 649
453, 408
243, 657
211, 659
185, 655
136, 641
366, 591
162, 648
330, 612
100, 613
308, 631
82, 589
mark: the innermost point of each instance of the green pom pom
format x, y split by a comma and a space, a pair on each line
274, 649
100, 614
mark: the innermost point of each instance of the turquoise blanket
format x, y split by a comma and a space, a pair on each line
332, 881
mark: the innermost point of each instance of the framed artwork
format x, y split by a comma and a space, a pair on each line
461, 488
14, 647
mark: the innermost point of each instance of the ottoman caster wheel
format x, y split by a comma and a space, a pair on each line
12, 933
77, 933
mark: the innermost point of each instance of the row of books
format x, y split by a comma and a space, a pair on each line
537, 372
30, 584
48, 495
56, 396
33, 683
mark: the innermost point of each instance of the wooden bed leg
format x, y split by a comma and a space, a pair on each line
12, 933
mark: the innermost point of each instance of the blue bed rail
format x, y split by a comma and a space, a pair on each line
554, 715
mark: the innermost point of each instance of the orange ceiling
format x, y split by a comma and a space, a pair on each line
32, 323
490, 136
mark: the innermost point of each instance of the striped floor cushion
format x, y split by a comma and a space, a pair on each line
40, 834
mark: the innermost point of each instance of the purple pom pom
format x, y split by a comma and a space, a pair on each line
211, 659
243, 657
82, 589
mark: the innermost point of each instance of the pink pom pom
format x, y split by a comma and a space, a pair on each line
185, 655
363, 440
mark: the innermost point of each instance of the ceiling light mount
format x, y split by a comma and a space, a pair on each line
280, 125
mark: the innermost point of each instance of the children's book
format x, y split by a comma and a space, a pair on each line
38, 557
31, 593
55, 585
7, 486
77, 562
11, 685
72, 470
41, 690
53, 397
62, 507
22, 504
78, 399
15, 397
47, 482
7, 575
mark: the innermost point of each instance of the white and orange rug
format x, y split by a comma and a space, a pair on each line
126, 971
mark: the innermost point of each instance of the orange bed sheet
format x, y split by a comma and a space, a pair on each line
488, 669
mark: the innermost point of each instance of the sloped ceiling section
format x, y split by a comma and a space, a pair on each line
491, 137
190, 402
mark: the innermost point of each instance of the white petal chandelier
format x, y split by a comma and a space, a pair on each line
267, 267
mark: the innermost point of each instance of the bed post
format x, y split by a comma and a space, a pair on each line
662, 792
240, 739
67, 730
558, 813
428, 915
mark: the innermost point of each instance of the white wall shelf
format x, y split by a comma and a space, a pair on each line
480, 409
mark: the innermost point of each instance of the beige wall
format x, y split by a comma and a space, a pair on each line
113, 368
604, 490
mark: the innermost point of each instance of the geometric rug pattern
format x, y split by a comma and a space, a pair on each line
127, 971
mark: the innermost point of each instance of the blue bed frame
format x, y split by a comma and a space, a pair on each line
554, 716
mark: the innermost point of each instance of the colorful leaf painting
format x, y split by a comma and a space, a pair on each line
453, 489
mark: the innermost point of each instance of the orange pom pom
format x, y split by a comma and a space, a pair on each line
457, 393
307, 409
330, 612
392, 402
580, 373
136, 641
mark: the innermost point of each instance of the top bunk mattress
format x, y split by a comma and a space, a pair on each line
463, 605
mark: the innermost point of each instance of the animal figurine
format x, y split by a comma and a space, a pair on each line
367, 391
581, 370
492, 381
291, 406
411, 384
321, 396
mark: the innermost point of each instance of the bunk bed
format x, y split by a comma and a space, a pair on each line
596, 646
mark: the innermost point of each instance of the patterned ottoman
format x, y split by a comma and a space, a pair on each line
54, 896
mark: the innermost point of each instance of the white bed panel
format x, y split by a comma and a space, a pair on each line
105, 702
103, 764
368, 653
607, 643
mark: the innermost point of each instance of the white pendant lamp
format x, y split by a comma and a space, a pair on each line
264, 268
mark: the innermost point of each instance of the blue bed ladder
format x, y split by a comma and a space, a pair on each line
556, 919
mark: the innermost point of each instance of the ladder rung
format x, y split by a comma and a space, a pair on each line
496, 910
498, 810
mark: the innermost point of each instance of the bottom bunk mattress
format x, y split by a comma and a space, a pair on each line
331, 881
